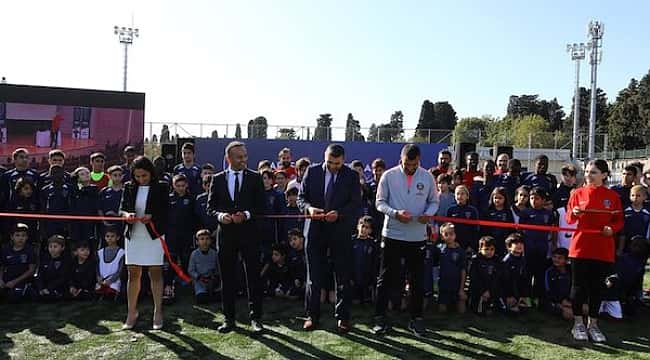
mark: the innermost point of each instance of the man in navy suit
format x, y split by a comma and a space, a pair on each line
331, 192
236, 196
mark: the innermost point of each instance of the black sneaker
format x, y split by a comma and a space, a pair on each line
226, 327
417, 327
381, 327
257, 326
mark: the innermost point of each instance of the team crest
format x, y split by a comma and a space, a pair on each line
607, 203
420, 186
23, 258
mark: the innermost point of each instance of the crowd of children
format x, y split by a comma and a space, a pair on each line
486, 268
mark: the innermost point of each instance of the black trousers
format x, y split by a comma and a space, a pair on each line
337, 238
587, 284
227, 249
389, 274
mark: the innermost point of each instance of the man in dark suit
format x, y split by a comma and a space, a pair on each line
235, 197
331, 193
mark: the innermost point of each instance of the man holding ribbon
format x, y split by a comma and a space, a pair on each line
407, 195
235, 197
331, 194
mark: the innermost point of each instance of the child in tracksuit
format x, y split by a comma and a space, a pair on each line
84, 202
498, 210
203, 268
466, 235
536, 242
364, 259
180, 231
630, 268
278, 276
451, 286
514, 279
292, 209
484, 294
53, 273
637, 218
83, 274
17, 266
207, 222
55, 199
189, 169
269, 229
109, 201
24, 200
557, 284
297, 264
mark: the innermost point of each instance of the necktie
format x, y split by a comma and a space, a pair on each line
329, 193
235, 197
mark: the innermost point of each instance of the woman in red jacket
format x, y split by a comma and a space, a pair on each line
599, 214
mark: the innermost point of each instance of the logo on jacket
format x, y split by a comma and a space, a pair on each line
419, 186
607, 203
23, 258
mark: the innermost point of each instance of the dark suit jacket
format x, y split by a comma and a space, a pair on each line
251, 199
157, 206
346, 198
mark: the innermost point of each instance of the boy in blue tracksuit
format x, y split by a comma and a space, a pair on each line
467, 235
364, 259
637, 218
191, 171
21, 170
108, 203
536, 242
84, 202
55, 198
201, 208
557, 285
291, 196
180, 231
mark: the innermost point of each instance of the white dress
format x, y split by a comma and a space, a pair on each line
140, 248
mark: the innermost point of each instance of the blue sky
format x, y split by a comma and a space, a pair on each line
227, 62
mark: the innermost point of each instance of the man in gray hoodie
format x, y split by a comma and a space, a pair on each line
407, 195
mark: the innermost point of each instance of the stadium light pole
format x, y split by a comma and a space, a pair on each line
126, 36
595, 31
577, 52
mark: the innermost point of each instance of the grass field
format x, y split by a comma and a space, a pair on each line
90, 331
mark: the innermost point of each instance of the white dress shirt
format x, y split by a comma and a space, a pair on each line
230, 179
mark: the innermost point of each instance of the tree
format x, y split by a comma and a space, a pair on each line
286, 134
434, 120
394, 130
372, 133
445, 115
534, 128
471, 129
323, 131
626, 128
551, 111
353, 130
257, 128
585, 109
238, 131
643, 99
427, 120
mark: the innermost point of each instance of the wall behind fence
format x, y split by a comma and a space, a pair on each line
212, 150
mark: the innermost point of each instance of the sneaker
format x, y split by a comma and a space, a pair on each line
380, 328
579, 332
596, 335
417, 327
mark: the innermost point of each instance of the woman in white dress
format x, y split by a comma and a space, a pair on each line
147, 200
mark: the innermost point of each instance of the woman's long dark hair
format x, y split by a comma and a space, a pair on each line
143, 162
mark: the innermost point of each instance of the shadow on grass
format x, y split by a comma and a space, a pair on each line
197, 349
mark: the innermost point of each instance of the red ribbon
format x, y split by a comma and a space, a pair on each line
511, 225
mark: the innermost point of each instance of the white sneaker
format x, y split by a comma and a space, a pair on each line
579, 332
596, 335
